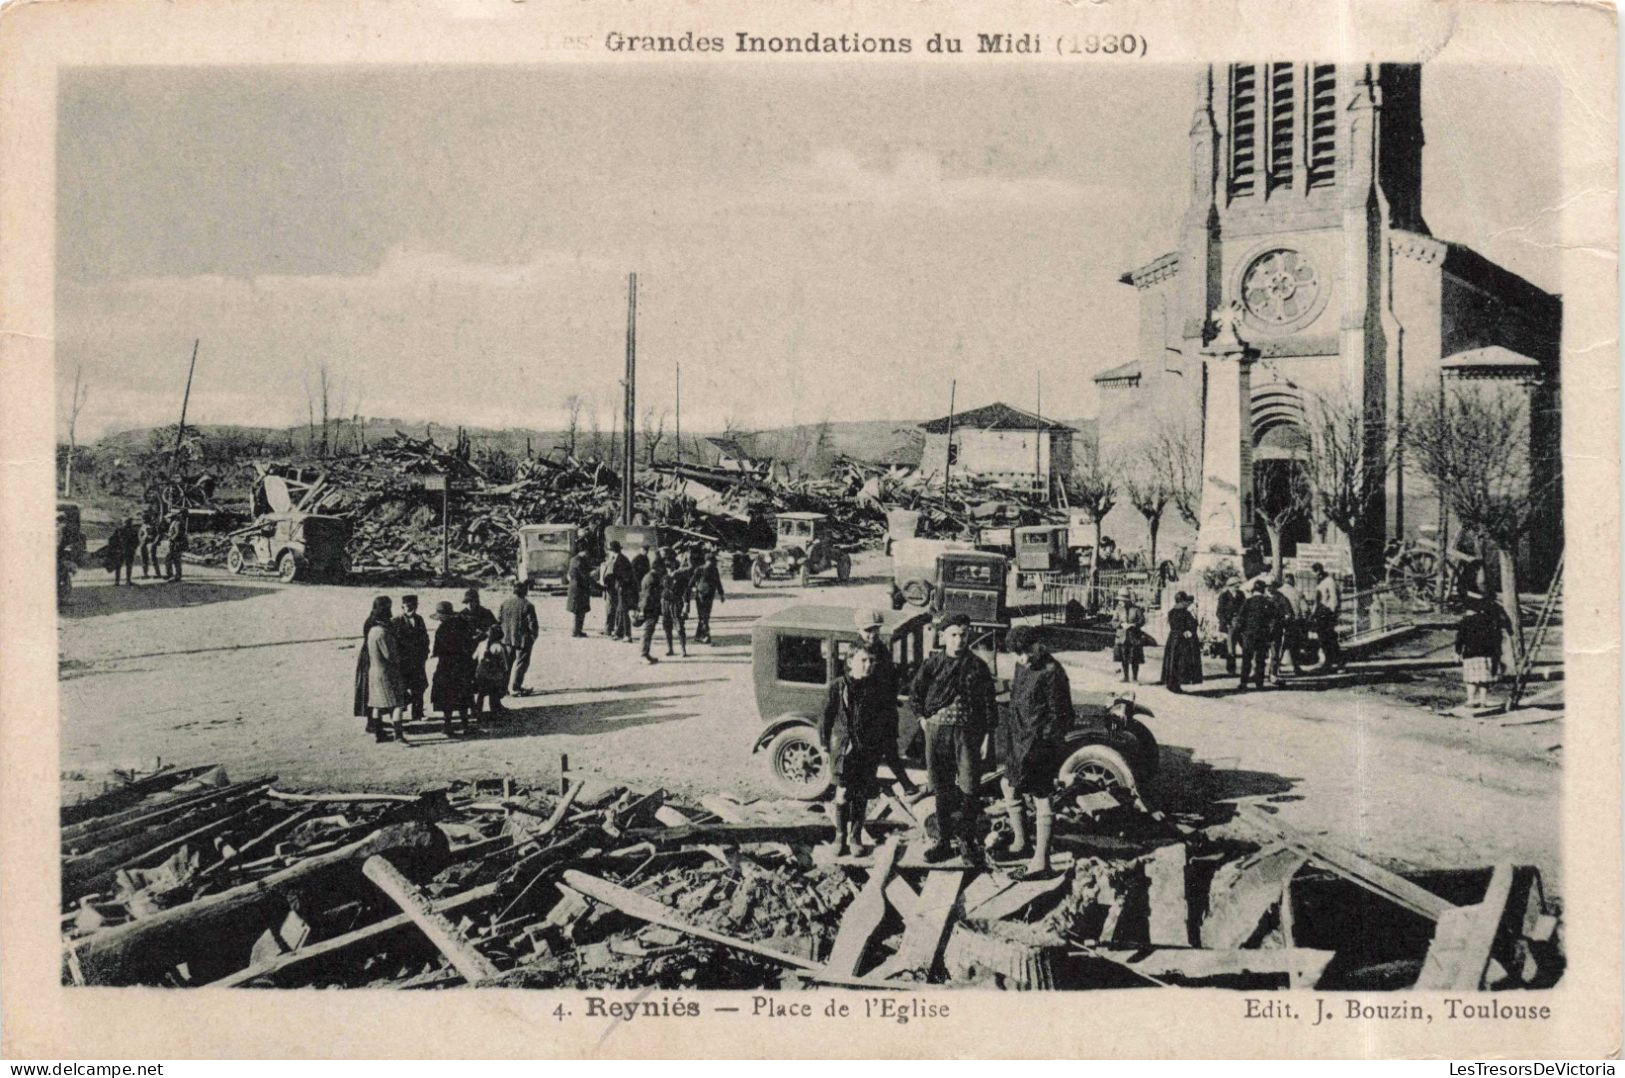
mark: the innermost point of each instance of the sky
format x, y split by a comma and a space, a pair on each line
824, 241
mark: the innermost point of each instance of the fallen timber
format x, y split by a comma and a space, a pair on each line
493, 884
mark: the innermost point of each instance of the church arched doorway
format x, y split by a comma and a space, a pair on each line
1282, 495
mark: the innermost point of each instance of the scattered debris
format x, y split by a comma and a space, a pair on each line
194, 880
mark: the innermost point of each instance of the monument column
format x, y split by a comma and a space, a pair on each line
1224, 523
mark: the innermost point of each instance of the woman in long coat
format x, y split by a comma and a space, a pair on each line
379, 686
452, 692
1182, 656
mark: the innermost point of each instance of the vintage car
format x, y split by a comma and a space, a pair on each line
1041, 551
973, 583
545, 551
295, 546
797, 652
802, 546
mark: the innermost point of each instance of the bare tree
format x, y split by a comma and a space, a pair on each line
1094, 491
654, 431
595, 436
76, 404
572, 416
1149, 492
1175, 452
1346, 464
1472, 443
1282, 496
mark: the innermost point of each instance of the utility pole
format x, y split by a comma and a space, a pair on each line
186, 398
629, 458
1038, 436
948, 464
679, 413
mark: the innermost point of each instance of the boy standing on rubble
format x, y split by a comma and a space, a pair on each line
953, 696
868, 623
1030, 744
860, 719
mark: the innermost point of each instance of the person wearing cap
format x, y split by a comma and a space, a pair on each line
517, 616
707, 590
1328, 605
1128, 647
883, 671
953, 696
479, 618
1255, 629
451, 693
1029, 740
1231, 600
413, 637
649, 602
1284, 593
624, 582
674, 598
641, 561
1182, 653
859, 721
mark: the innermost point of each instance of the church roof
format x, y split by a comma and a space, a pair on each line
997, 416
1123, 372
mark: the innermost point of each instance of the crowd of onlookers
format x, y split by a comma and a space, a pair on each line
157, 541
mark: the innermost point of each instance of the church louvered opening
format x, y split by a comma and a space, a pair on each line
1243, 129
1282, 119
1322, 147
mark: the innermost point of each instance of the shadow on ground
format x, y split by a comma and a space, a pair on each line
1188, 786
89, 602
546, 720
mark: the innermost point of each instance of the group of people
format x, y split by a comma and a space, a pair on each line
1261, 627
953, 695
653, 590
480, 657
158, 541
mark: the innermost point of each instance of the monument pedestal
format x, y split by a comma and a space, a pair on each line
1224, 522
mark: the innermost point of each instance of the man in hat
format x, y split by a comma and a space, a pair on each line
641, 561
650, 594
412, 638
175, 546
953, 696
452, 692
883, 670
624, 582
147, 543
578, 588
707, 590
1231, 600
479, 619
1030, 738
674, 598
129, 540
1255, 629
517, 616
1284, 593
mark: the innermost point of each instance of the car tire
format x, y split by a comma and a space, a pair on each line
799, 764
1098, 767
287, 567
234, 561
917, 592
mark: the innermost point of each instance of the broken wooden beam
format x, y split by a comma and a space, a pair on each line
126, 953
91, 871
1351, 866
1243, 891
102, 830
1199, 964
925, 927
407, 799
282, 826
473, 965
863, 916
647, 909
350, 941
1460, 952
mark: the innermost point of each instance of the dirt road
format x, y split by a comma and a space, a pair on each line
257, 675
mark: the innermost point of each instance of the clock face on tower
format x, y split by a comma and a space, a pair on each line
1280, 289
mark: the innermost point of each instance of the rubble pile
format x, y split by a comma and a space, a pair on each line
187, 878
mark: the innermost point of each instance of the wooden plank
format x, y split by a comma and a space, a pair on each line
902, 897
1460, 952
95, 870
1351, 866
1169, 908
863, 916
1197, 963
736, 834
647, 909
99, 832
474, 966
407, 799
278, 828
1243, 891
925, 928
1013, 899
350, 940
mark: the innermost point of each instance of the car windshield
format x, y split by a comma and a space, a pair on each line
801, 659
551, 538
968, 573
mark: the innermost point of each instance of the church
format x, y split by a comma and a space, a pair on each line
1304, 232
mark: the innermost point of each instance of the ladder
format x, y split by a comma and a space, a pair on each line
1543, 624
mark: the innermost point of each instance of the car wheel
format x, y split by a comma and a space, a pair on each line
234, 560
843, 567
917, 592
287, 567
800, 765
1098, 767
758, 576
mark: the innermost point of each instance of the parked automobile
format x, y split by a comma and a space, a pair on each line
295, 546
1041, 552
545, 551
802, 547
973, 583
798, 651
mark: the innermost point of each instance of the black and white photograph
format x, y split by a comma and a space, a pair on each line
814, 517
